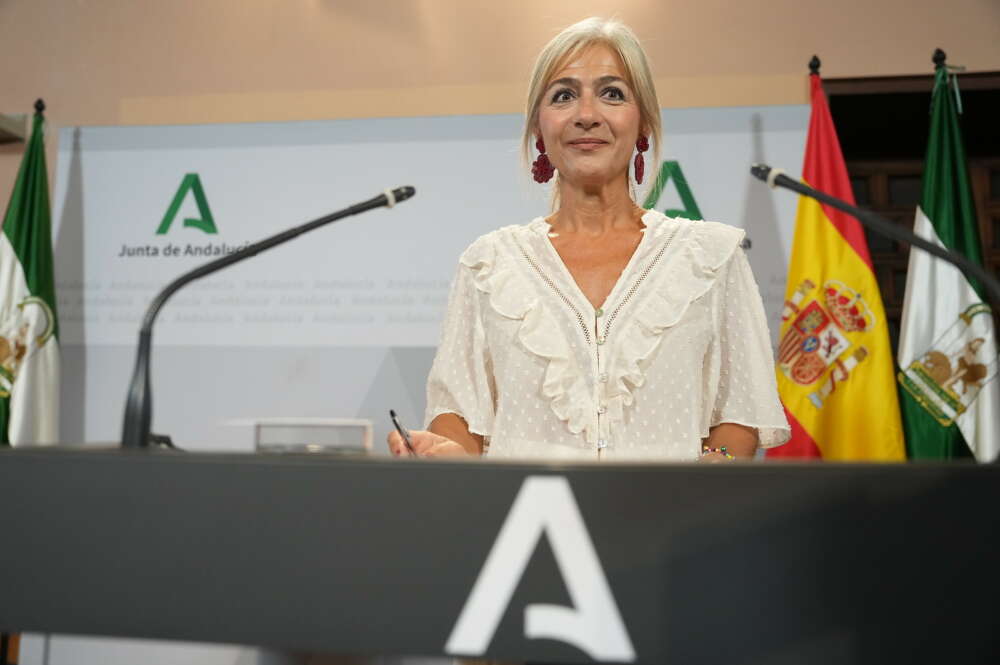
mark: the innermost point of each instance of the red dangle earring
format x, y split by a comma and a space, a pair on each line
642, 145
542, 168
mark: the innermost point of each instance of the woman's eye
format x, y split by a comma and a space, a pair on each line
614, 93
562, 96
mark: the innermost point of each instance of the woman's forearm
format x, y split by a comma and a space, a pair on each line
452, 426
739, 440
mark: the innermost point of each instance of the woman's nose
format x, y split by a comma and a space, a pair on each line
586, 115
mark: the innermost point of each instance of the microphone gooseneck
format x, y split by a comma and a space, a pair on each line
776, 178
138, 404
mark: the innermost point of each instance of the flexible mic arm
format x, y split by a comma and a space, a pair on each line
138, 406
777, 178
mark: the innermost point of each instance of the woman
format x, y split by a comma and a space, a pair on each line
603, 331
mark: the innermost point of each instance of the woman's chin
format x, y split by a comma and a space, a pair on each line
590, 177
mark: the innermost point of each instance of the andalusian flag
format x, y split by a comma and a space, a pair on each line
29, 353
947, 347
834, 364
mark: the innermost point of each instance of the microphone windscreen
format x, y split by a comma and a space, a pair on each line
403, 193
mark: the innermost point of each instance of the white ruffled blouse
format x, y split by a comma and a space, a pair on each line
680, 345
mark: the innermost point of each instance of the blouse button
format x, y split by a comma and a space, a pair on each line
602, 444
599, 311
603, 378
600, 341
602, 409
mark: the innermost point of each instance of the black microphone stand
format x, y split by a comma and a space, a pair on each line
139, 406
776, 178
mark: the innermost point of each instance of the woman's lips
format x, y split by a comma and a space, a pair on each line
588, 144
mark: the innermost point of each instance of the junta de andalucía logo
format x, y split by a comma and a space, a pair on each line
191, 184
205, 222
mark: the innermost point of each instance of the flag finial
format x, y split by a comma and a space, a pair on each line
39, 105
938, 58
814, 64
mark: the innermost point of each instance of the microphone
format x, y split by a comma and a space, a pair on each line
138, 405
777, 178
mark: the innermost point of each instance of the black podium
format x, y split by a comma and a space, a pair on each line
737, 563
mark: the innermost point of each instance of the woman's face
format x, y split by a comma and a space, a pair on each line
589, 118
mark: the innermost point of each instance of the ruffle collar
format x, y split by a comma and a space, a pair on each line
688, 255
690, 265
512, 297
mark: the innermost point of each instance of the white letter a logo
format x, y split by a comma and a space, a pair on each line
594, 625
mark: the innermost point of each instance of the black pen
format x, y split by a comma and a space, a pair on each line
403, 432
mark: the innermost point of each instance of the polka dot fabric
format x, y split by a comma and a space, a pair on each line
680, 345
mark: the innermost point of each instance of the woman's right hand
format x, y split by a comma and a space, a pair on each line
425, 444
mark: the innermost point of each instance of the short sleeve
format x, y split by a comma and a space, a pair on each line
747, 393
461, 377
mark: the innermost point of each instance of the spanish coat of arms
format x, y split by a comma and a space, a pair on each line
816, 347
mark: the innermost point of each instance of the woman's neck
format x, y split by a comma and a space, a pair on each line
595, 211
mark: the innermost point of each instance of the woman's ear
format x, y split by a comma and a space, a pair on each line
536, 128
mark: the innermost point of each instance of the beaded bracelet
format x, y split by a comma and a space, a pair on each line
722, 451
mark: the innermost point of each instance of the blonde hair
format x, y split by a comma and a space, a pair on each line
577, 37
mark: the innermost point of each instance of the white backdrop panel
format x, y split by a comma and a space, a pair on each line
380, 280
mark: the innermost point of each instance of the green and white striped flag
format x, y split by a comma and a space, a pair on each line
29, 351
947, 346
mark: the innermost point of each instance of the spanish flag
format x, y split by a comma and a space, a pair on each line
834, 361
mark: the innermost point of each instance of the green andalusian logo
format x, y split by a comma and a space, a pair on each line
671, 172
190, 183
